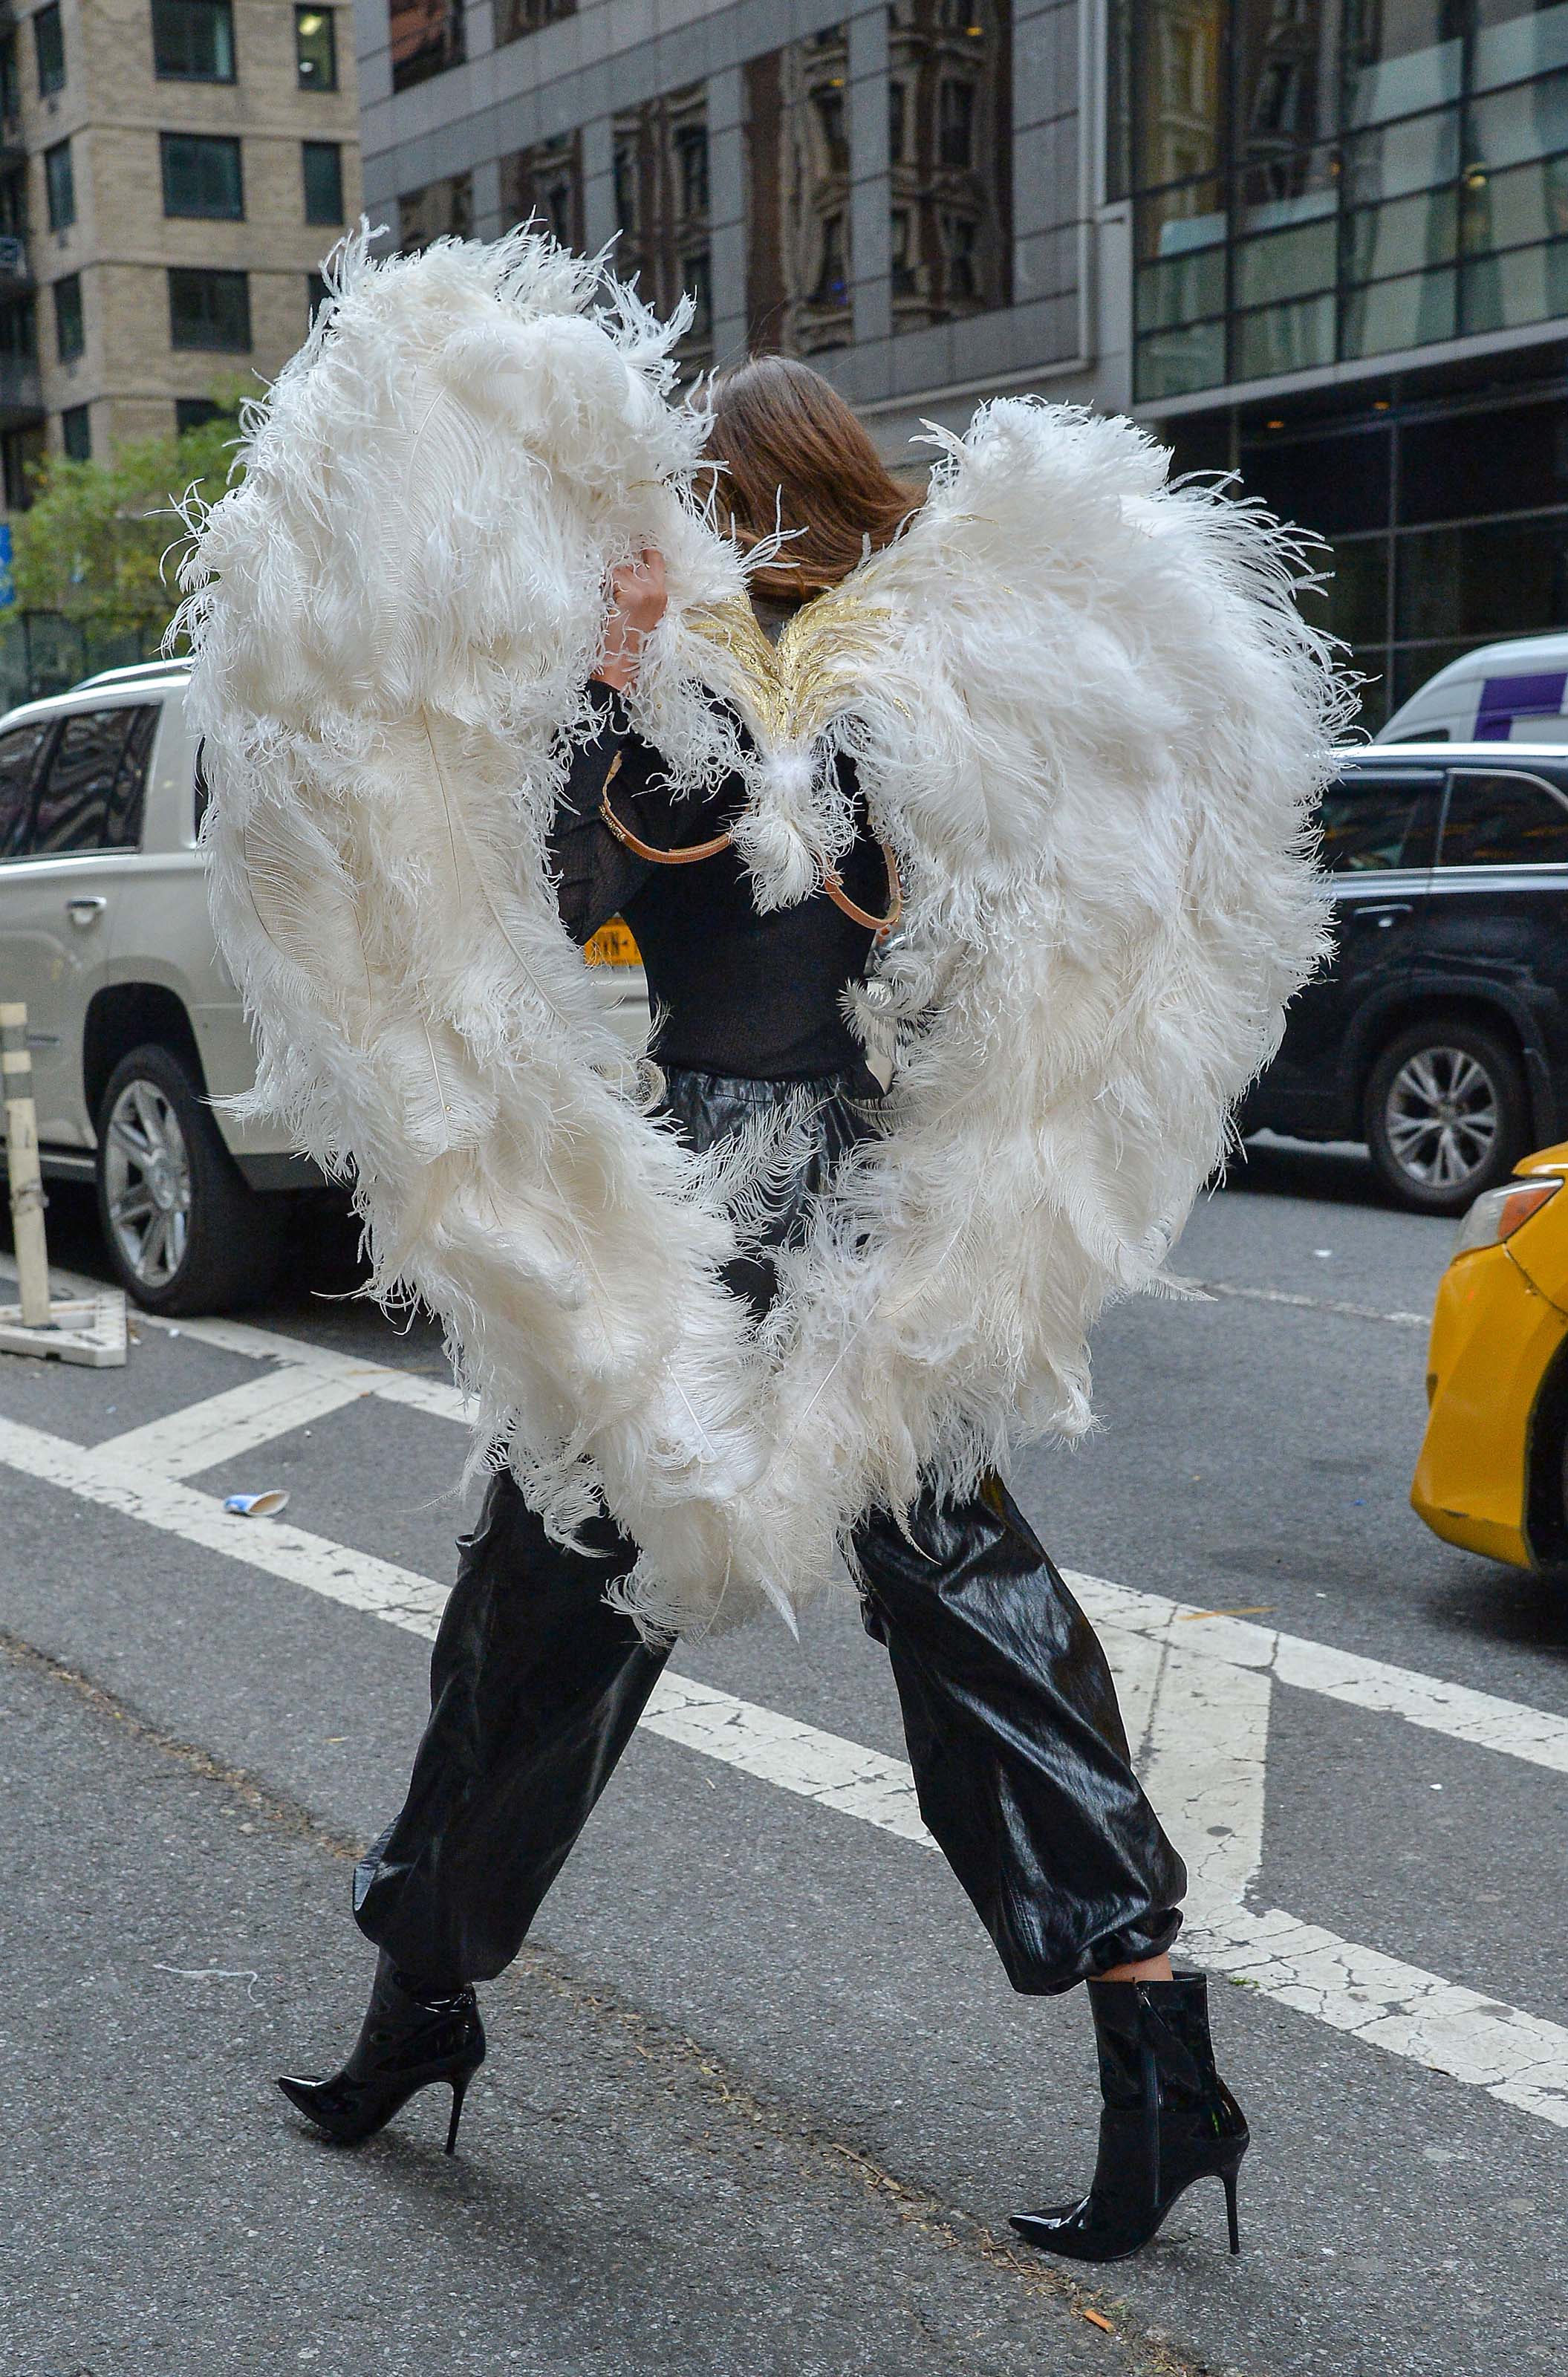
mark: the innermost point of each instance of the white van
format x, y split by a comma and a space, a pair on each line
132, 1020
1500, 693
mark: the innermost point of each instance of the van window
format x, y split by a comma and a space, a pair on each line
1506, 819
91, 795
1371, 822
18, 763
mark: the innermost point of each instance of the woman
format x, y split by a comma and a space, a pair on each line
1019, 1758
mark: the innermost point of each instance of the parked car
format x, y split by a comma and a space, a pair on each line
1439, 1035
134, 1023
1492, 1474
1496, 694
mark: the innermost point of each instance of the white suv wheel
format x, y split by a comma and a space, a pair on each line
146, 1178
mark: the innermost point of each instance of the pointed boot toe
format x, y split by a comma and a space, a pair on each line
410, 2039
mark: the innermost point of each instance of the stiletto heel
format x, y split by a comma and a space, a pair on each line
410, 2039
1168, 2118
459, 2090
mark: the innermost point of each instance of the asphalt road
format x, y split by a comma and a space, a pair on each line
758, 2097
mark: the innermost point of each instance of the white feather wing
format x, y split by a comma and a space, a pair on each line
395, 614
1095, 749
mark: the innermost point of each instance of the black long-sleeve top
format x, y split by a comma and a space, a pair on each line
734, 992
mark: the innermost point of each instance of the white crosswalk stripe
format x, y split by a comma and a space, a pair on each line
1195, 1689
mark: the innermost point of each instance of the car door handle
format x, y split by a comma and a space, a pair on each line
86, 908
1385, 918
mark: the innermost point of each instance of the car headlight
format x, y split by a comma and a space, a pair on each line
1498, 1214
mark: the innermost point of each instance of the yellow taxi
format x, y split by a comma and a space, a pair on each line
1492, 1472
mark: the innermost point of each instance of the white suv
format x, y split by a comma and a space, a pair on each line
132, 1020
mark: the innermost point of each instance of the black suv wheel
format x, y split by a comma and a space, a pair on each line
1446, 1115
184, 1231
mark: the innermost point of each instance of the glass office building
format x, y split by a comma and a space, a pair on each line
895, 190
1323, 242
1349, 269
1318, 183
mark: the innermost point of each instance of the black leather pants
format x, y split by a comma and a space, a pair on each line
1021, 1764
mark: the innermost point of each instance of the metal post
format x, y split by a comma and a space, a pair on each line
21, 1158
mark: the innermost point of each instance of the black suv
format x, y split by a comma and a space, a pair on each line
1439, 1033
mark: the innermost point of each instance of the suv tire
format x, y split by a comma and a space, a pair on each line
1446, 1115
183, 1230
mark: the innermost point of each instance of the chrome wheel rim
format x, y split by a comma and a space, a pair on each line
147, 1179
1442, 1117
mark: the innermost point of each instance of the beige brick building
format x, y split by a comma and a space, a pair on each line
172, 173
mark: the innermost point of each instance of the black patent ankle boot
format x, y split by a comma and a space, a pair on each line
410, 2039
1168, 2118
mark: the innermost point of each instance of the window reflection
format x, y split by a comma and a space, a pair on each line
797, 196
544, 184
1401, 56
660, 196
440, 210
1514, 38
1390, 314
1285, 95
1280, 149
427, 37
949, 111
1179, 48
516, 18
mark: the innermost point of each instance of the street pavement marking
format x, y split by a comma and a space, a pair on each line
784, 1751
357, 1579
1201, 1721
225, 1426
1481, 1719
1197, 1706
1302, 1303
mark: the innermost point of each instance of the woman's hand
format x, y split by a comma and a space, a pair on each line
637, 601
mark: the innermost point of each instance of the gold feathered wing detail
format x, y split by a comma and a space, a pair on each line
791, 692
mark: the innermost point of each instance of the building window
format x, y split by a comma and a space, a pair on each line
10, 95
60, 181
797, 195
950, 174
661, 188
19, 332
323, 166
70, 335
201, 176
544, 184
196, 412
1447, 513
316, 296
1315, 188
315, 48
49, 49
193, 40
441, 210
428, 38
210, 310
13, 206
75, 434
516, 18
22, 453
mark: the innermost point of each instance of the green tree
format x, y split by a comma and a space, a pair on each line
102, 540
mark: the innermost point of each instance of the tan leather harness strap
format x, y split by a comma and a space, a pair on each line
833, 886
624, 835
832, 883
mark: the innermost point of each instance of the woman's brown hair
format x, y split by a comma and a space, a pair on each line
794, 456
